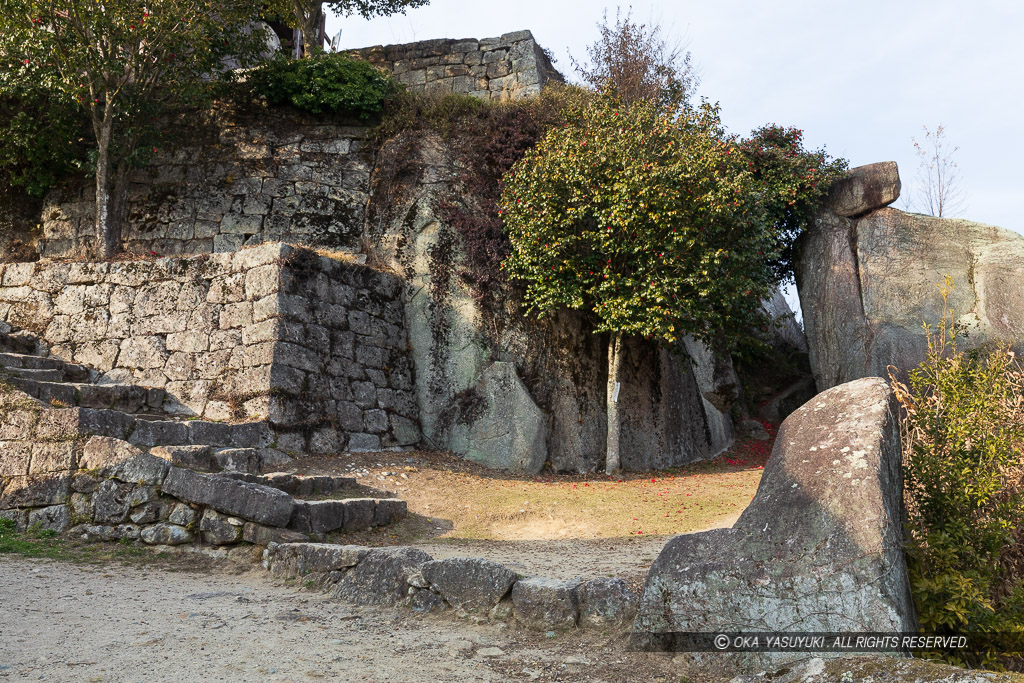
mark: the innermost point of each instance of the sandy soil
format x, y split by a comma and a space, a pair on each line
64, 622
551, 525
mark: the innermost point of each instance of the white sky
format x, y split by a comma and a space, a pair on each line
860, 77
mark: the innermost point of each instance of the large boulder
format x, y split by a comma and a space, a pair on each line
865, 189
818, 549
867, 285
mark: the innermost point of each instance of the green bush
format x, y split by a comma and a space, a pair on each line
325, 83
963, 437
44, 135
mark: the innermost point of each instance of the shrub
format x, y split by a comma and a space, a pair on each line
325, 83
44, 135
963, 437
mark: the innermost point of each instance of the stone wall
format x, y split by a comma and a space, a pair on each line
230, 182
507, 67
315, 345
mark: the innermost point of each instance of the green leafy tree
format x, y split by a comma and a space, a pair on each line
43, 135
123, 62
307, 15
651, 218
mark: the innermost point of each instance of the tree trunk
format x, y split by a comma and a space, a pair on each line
612, 460
308, 17
107, 228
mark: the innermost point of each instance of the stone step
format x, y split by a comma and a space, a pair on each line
297, 485
40, 374
239, 463
150, 433
126, 398
353, 514
72, 371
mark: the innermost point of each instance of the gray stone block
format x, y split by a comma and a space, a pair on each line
54, 518
160, 433
467, 583
218, 529
318, 517
389, 510
607, 603
23, 492
362, 443
110, 503
237, 460
257, 534
198, 458
359, 513
166, 534
250, 501
381, 577
296, 560
546, 604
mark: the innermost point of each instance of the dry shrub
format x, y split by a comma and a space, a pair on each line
963, 439
638, 62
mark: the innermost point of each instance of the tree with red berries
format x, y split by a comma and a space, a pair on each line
124, 62
658, 223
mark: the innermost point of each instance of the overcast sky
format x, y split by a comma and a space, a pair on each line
861, 78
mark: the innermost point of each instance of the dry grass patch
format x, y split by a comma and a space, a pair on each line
450, 498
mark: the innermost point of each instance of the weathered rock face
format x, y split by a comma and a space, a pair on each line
865, 189
454, 341
867, 285
509, 431
818, 549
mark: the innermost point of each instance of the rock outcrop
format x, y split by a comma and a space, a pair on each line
458, 345
868, 282
818, 549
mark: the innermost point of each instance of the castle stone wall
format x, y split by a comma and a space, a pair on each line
507, 67
315, 345
226, 186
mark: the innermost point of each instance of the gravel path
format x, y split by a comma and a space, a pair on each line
65, 622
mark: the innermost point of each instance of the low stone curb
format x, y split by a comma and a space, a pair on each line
409, 577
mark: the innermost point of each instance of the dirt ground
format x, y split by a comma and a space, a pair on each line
557, 526
66, 622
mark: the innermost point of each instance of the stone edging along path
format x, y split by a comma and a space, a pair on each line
405, 576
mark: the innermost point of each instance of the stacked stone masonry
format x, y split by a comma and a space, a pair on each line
229, 184
313, 345
508, 67
55, 476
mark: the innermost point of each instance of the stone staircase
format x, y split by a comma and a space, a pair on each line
138, 412
108, 461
